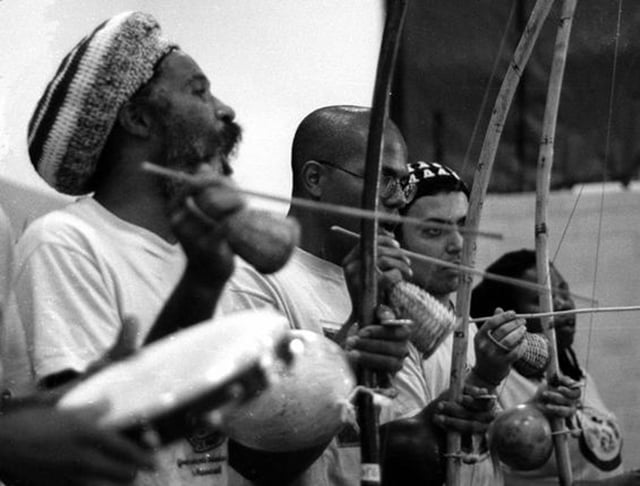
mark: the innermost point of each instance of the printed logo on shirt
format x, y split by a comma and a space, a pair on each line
600, 440
206, 460
204, 439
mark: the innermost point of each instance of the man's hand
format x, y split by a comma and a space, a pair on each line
472, 415
40, 445
379, 348
413, 448
558, 400
496, 345
196, 220
392, 266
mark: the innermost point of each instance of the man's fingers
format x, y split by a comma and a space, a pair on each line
460, 425
498, 319
95, 466
117, 448
557, 410
392, 252
456, 410
508, 334
502, 331
572, 394
557, 398
218, 203
389, 266
188, 220
386, 333
375, 362
476, 391
485, 403
397, 349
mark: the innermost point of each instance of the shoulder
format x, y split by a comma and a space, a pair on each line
73, 235
70, 224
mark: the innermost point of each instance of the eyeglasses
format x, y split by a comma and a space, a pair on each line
389, 184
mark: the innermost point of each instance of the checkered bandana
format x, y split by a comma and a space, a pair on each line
433, 177
77, 111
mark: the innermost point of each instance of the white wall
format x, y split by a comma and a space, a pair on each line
607, 344
273, 61
276, 60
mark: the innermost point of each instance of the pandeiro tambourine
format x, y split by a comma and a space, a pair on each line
212, 366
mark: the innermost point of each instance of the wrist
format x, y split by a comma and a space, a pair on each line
201, 283
478, 378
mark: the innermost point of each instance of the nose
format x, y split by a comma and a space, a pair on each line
454, 244
223, 111
562, 302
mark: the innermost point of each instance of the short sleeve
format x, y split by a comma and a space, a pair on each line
68, 313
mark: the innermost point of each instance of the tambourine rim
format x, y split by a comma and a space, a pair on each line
261, 354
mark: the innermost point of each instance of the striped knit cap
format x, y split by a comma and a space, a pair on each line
77, 111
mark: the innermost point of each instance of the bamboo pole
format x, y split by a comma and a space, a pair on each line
480, 183
371, 474
545, 164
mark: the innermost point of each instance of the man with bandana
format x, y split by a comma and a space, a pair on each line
442, 198
122, 96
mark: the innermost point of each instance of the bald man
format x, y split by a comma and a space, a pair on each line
318, 289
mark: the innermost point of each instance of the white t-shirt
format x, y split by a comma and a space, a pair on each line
79, 272
15, 371
313, 295
599, 428
6, 253
422, 381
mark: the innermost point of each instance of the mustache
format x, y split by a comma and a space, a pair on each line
229, 138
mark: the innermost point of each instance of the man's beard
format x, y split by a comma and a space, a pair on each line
187, 145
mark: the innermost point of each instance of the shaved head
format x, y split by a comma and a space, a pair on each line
334, 133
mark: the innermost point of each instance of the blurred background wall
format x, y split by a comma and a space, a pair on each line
276, 60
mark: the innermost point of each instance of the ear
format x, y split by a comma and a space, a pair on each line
134, 118
312, 177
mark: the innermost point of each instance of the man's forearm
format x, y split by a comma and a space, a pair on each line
190, 303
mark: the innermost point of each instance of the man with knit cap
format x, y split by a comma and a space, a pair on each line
122, 96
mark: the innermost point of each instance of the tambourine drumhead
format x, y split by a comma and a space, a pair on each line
181, 368
304, 407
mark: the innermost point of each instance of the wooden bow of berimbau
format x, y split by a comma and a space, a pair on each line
482, 175
367, 417
543, 183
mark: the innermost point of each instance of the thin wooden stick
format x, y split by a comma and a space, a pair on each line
480, 184
586, 310
367, 416
516, 282
543, 182
192, 179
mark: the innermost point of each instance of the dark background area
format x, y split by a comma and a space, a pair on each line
448, 52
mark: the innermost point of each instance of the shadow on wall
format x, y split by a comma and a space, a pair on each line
24, 203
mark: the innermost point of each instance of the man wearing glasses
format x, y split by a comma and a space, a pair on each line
318, 289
